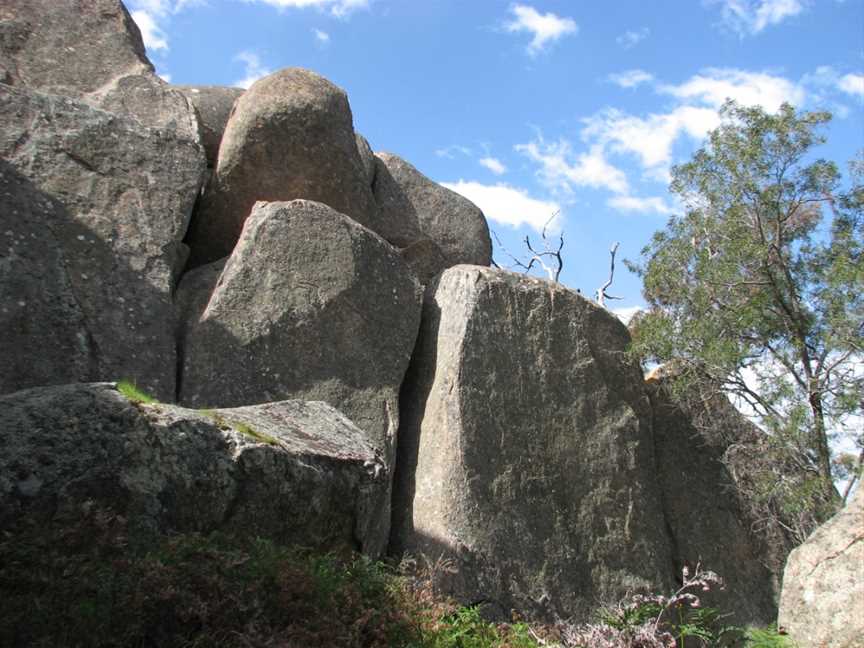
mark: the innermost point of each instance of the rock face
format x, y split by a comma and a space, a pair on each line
44, 333
123, 194
90, 50
453, 222
213, 105
291, 136
293, 471
703, 514
525, 451
822, 604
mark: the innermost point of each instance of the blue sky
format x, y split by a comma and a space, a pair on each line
536, 107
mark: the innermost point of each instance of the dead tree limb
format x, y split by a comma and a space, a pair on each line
602, 295
538, 257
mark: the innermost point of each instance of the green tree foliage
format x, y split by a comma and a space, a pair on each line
758, 289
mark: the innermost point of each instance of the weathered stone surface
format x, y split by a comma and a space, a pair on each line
91, 50
213, 105
395, 208
291, 136
525, 450
310, 305
452, 221
367, 157
425, 259
296, 472
822, 603
44, 336
704, 512
125, 193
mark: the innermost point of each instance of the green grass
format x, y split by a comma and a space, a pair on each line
241, 427
130, 390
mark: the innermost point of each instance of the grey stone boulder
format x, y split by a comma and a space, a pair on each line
291, 136
310, 306
367, 157
91, 51
525, 450
213, 105
44, 334
708, 517
822, 603
122, 194
456, 224
295, 472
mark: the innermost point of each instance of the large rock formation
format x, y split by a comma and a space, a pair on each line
406, 196
704, 512
213, 105
291, 135
44, 332
91, 51
293, 471
310, 305
822, 604
525, 451
115, 199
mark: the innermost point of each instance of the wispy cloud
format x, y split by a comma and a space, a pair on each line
630, 78
646, 205
632, 37
852, 84
750, 17
714, 85
155, 39
451, 151
337, 8
506, 205
626, 313
544, 28
254, 69
494, 165
560, 169
321, 37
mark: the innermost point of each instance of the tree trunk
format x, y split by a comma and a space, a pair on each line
819, 443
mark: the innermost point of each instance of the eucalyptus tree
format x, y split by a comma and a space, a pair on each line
758, 287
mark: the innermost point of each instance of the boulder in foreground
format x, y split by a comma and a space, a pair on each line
525, 450
295, 472
822, 603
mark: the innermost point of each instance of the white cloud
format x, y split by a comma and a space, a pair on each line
165, 77
154, 38
450, 152
338, 8
630, 78
632, 37
626, 313
506, 205
254, 69
852, 84
545, 28
714, 85
753, 16
321, 37
588, 169
650, 138
652, 204
494, 165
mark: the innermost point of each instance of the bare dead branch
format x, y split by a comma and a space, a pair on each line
552, 269
602, 295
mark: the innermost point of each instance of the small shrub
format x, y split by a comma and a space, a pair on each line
769, 637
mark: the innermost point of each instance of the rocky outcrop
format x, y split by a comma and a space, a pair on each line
525, 450
704, 512
292, 471
123, 194
91, 51
213, 105
291, 136
822, 603
44, 332
457, 225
